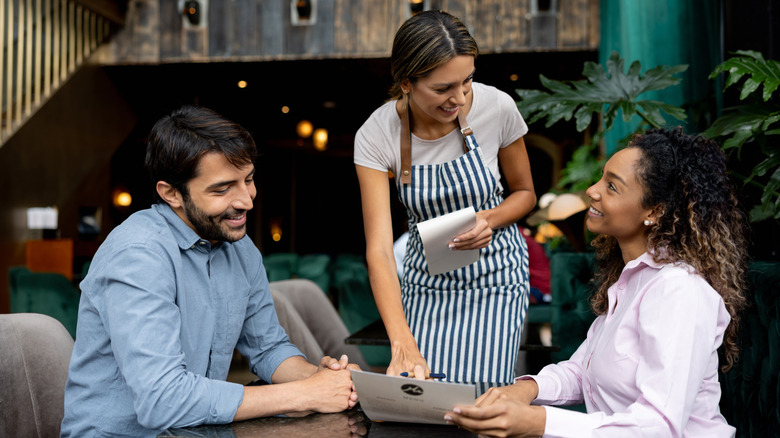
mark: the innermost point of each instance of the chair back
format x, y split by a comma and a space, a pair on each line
35, 352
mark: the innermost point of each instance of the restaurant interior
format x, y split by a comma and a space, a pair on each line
73, 137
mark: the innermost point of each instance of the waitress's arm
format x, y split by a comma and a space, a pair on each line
382, 272
521, 200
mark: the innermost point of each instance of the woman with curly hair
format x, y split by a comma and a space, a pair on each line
671, 266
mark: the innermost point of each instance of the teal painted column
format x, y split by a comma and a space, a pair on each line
665, 32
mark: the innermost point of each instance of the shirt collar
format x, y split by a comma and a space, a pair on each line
648, 259
185, 236
645, 259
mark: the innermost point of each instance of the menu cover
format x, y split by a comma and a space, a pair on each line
407, 400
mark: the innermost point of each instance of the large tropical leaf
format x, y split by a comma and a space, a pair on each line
743, 123
602, 92
753, 124
755, 68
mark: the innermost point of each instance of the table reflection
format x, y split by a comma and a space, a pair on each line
352, 423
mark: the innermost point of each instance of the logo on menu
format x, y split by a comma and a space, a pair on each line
412, 389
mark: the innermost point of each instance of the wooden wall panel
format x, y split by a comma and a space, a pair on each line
254, 30
223, 26
594, 16
573, 30
244, 29
512, 28
170, 31
314, 40
139, 41
270, 17
345, 23
483, 22
377, 25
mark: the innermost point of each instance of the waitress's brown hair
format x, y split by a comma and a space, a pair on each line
423, 43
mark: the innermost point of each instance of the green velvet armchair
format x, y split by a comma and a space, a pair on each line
46, 293
750, 389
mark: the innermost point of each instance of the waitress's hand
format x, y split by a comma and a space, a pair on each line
477, 237
407, 358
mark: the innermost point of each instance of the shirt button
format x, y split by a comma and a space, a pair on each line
621, 286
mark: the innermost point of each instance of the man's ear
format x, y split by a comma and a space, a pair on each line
169, 194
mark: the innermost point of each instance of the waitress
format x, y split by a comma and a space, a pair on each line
464, 323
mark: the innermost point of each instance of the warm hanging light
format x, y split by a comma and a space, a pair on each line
320, 139
276, 232
122, 198
304, 129
242, 84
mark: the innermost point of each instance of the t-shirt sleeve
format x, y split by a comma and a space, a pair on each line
373, 145
513, 125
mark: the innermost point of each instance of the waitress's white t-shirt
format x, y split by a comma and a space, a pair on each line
493, 117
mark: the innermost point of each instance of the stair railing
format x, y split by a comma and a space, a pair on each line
43, 42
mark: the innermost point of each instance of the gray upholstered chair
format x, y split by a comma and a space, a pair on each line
35, 351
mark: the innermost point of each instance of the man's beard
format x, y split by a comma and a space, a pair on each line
211, 227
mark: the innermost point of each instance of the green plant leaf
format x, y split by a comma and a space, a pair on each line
743, 122
758, 71
769, 163
603, 90
772, 186
761, 212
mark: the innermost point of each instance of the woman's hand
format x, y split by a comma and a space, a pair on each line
477, 237
406, 358
503, 411
504, 418
522, 391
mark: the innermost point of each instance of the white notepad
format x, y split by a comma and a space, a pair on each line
436, 235
406, 400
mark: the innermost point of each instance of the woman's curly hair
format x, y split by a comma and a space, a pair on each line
700, 221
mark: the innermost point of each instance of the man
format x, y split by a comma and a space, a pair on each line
175, 289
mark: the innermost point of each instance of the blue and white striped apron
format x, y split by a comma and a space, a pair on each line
467, 322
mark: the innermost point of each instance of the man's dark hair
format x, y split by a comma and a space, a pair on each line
179, 140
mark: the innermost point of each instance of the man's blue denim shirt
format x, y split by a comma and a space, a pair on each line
161, 312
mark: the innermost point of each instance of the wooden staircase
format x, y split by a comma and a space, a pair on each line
43, 43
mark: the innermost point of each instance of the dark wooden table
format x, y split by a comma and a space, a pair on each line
352, 423
372, 334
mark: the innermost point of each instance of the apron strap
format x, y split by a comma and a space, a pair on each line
406, 139
406, 143
465, 131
